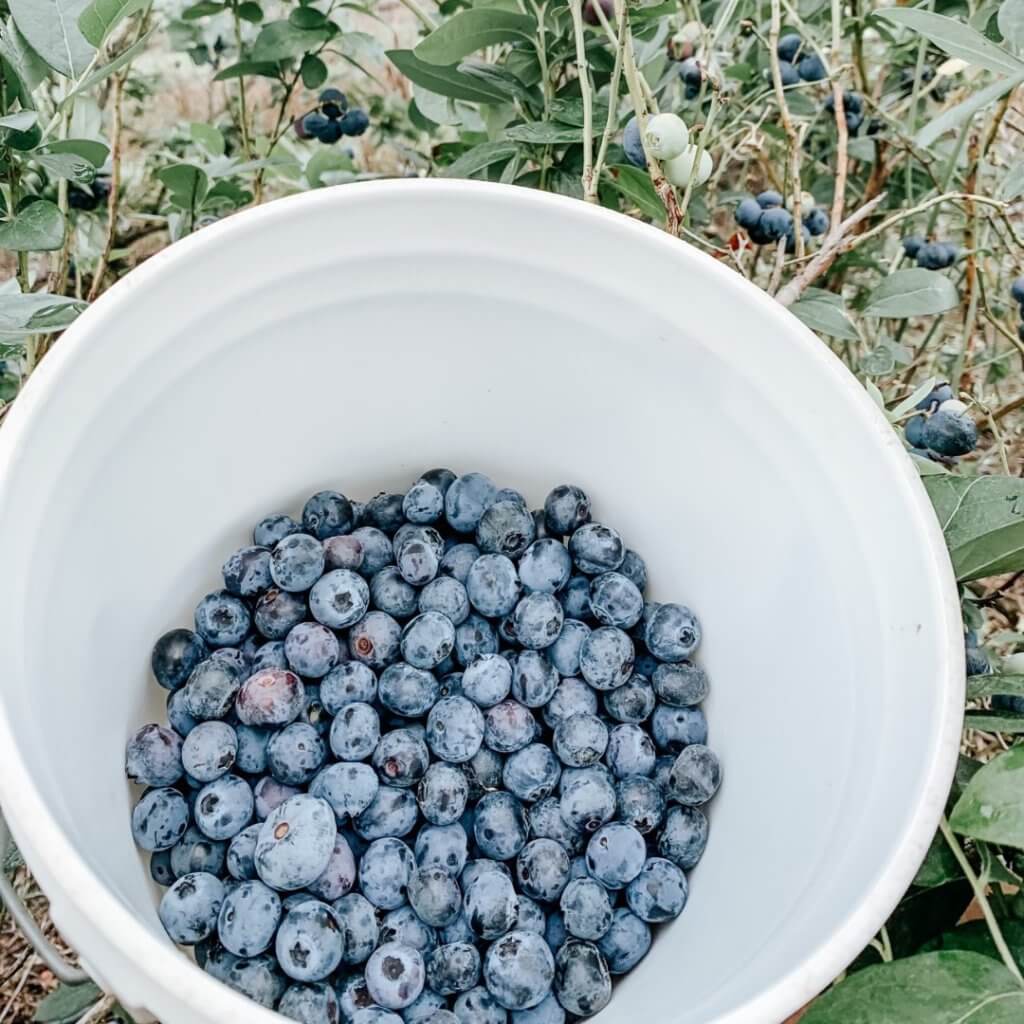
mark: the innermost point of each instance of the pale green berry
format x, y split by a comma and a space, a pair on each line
680, 170
666, 136
954, 406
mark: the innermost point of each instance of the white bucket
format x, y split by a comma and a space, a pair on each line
352, 337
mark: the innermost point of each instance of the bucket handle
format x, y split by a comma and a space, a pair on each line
47, 952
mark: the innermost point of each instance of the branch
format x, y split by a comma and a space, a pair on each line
613, 104
115, 188
787, 125
586, 94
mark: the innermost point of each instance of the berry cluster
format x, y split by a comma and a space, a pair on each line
1017, 293
930, 255
797, 65
668, 141
432, 755
766, 220
853, 109
943, 428
331, 119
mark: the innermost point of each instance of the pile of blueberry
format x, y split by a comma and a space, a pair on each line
943, 428
431, 758
795, 64
332, 118
766, 220
930, 255
1017, 294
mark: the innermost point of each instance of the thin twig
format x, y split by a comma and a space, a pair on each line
421, 15
586, 95
787, 126
98, 1010
780, 259
613, 113
839, 196
17, 990
115, 186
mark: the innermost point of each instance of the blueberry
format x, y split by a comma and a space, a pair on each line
309, 941
453, 968
509, 726
153, 756
634, 569
658, 893
546, 822
500, 827
423, 503
349, 787
417, 558
435, 896
788, 73
268, 655
196, 852
547, 1011
312, 649
816, 221
630, 751
359, 927
483, 772
580, 740
776, 222
241, 853
505, 528
224, 807
518, 970
395, 975
632, 144
296, 843
175, 655
571, 697
582, 983
295, 754
537, 620
355, 1002
478, 1006
189, 908
748, 213
534, 679
616, 600
402, 925
344, 552
542, 869
442, 846
455, 729
400, 758
446, 596
340, 874
160, 869
339, 599
473, 638
554, 932
492, 585
407, 691
811, 68
327, 514
209, 750
938, 394
384, 872
672, 633
914, 431
222, 620
392, 594
354, 122
977, 662
458, 931
315, 124
545, 566
258, 978
442, 794
458, 559
852, 109
674, 728
950, 433
641, 803
375, 641
271, 697
769, 199
249, 915
912, 245
377, 550
425, 1009
695, 776
466, 500
615, 854
566, 508
310, 1004
1017, 290
355, 732
384, 511
632, 702
626, 942
684, 836
587, 801
936, 256
789, 47
211, 689
297, 562
348, 683
490, 905
487, 680
276, 612
159, 819
606, 657
393, 812
681, 684
247, 572
531, 773
427, 640
268, 795
596, 549
586, 909
274, 528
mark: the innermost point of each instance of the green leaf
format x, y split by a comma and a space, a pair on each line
260, 68
913, 292
186, 183
38, 226
20, 121
472, 30
990, 685
541, 133
66, 165
121, 60
497, 78
975, 937
208, 137
51, 28
26, 63
983, 520
956, 38
939, 865
100, 16
202, 9
251, 12
9, 385
827, 316
956, 116
324, 161
67, 1002
314, 71
95, 152
479, 158
570, 111
931, 988
635, 185
281, 40
1013, 184
37, 310
1010, 20
995, 721
445, 81
990, 807
307, 17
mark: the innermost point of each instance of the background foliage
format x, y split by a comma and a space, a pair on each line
127, 124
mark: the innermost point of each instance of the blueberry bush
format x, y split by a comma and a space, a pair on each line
857, 159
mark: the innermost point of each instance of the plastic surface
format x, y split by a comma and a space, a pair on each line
353, 337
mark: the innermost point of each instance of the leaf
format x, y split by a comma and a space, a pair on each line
307, 17
27, 64
281, 40
990, 807
1010, 20
995, 721
445, 81
251, 12
95, 152
66, 165
956, 38
314, 71
472, 30
498, 78
186, 183
121, 60
956, 116
939, 865
100, 16
67, 1002
912, 292
479, 158
975, 937
324, 161
37, 309
635, 185
827, 317
20, 121
202, 9
1013, 184
38, 226
51, 28
983, 520
570, 111
931, 988
878, 362
990, 685
541, 133
208, 137
260, 68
